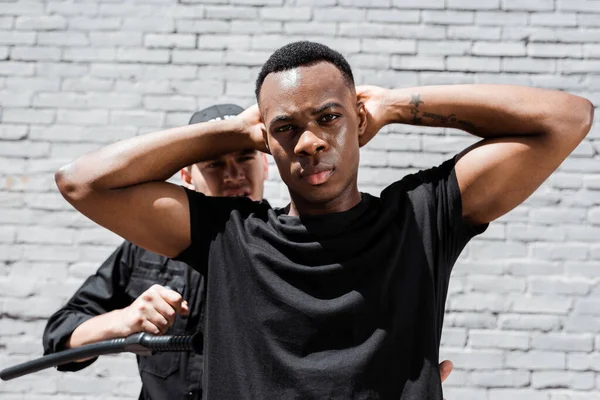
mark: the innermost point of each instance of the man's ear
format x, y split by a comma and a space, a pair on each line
186, 177
265, 165
263, 129
362, 115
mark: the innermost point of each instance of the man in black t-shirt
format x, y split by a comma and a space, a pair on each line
339, 295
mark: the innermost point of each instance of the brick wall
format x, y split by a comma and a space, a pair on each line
523, 317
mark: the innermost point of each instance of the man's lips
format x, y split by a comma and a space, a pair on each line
317, 175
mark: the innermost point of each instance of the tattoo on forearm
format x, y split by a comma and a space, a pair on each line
443, 119
414, 110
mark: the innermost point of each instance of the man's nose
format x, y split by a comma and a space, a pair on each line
309, 144
233, 172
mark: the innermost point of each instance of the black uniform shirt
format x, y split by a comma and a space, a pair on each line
122, 278
341, 306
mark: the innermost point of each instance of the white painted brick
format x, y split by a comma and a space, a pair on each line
583, 362
587, 306
22, 8
94, 23
473, 359
562, 342
63, 39
474, 32
478, 302
581, 324
562, 379
66, 100
71, 8
500, 378
22, 53
473, 5
41, 23
7, 22
59, 69
448, 17
150, 24
582, 268
140, 55
499, 49
499, 340
136, 117
418, 4
233, 13
534, 233
27, 115
15, 99
560, 251
528, 5
222, 42
418, 63
522, 64
170, 40
89, 54
535, 359
588, 19
29, 83
247, 58
577, 67
85, 84
554, 19
456, 48
291, 14
527, 322
354, 3
559, 285
454, 337
393, 16
198, 57
11, 132
583, 6
391, 46
500, 18
553, 50
82, 117
45, 235
400, 31
455, 63
259, 27
121, 39
559, 305
170, 103
14, 37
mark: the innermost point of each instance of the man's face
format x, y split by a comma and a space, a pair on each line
236, 174
312, 124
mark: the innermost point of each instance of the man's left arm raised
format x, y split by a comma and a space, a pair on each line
527, 133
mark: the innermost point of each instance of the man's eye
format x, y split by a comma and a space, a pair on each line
214, 165
329, 118
284, 128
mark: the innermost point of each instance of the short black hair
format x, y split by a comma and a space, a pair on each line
295, 54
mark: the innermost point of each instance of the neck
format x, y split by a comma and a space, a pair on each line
344, 202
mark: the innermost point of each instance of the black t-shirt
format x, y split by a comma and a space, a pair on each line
341, 306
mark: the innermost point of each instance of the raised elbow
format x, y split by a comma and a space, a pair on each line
69, 184
586, 117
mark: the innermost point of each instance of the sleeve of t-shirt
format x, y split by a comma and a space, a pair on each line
208, 218
434, 197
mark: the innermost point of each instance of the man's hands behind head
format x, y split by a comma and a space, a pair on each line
253, 126
375, 100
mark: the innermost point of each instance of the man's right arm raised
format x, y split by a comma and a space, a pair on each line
122, 186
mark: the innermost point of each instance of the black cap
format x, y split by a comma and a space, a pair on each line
215, 113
